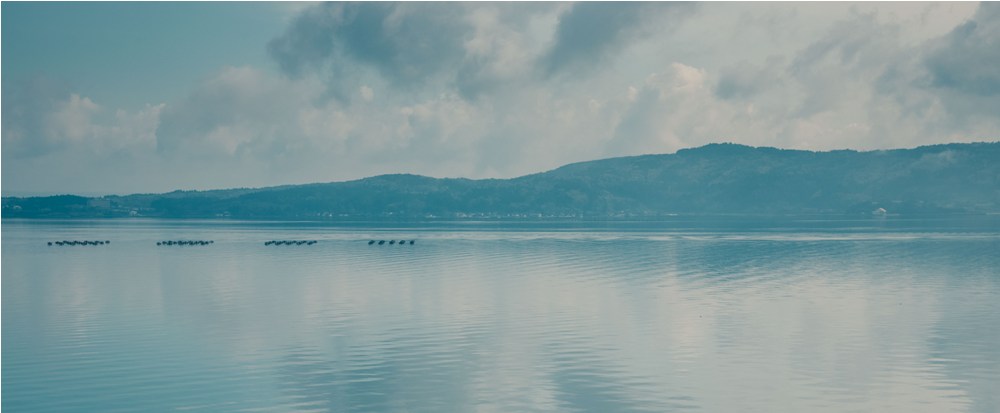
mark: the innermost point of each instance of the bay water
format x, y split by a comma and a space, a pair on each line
787, 314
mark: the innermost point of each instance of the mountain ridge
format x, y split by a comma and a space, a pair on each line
718, 178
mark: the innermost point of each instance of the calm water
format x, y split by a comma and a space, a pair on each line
691, 315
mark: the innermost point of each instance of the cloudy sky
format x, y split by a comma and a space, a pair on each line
138, 97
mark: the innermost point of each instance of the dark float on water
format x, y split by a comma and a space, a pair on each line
61, 243
198, 242
286, 242
393, 242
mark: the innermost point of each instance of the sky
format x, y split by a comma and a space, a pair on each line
117, 98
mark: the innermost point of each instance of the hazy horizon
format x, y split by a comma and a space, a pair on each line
103, 98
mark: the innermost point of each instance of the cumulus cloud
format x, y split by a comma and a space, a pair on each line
859, 84
967, 59
287, 128
666, 112
962, 70
42, 117
26, 112
241, 111
405, 43
502, 47
412, 47
499, 90
745, 79
591, 32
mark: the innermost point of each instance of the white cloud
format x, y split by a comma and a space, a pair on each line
239, 112
491, 102
135, 130
72, 120
78, 124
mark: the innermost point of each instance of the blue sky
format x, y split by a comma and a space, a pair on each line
150, 97
134, 53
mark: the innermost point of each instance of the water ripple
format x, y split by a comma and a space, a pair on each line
806, 318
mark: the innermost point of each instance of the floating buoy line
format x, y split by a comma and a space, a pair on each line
64, 243
195, 242
209, 242
286, 242
392, 242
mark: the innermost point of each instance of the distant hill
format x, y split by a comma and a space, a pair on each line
712, 179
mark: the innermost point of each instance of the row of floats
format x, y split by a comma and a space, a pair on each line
186, 242
392, 242
210, 242
286, 242
62, 243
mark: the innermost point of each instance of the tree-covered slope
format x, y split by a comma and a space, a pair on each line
717, 178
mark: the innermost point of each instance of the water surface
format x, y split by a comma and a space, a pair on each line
715, 315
